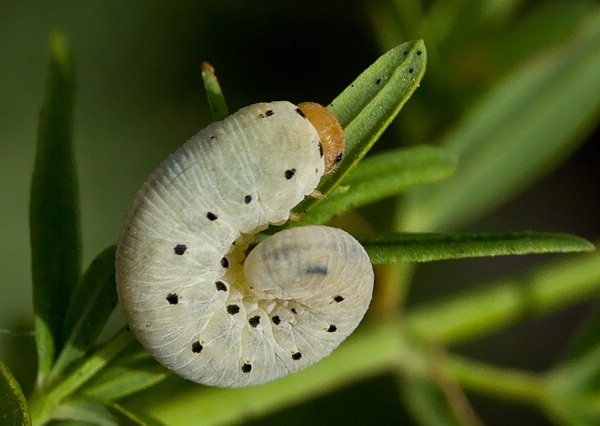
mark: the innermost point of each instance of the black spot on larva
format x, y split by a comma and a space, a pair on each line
276, 320
221, 286
410, 71
321, 149
196, 347
180, 249
254, 321
296, 356
419, 52
290, 173
261, 115
246, 368
299, 111
332, 328
294, 310
211, 216
269, 113
213, 137
233, 309
225, 263
316, 270
172, 298
247, 199
338, 158
338, 298
378, 81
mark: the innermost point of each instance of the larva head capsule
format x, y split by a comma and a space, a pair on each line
329, 130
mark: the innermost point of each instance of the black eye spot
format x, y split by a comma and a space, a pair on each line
378, 81
196, 347
276, 320
299, 111
405, 53
225, 263
296, 356
172, 298
233, 309
254, 321
221, 286
290, 173
332, 328
338, 298
321, 149
338, 158
246, 368
211, 216
410, 71
269, 113
180, 249
247, 199
419, 52
294, 310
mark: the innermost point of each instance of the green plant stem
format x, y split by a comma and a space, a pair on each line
497, 305
44, 402
507, 384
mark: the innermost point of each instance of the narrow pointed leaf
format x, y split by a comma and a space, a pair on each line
102, 413
368, 106
13, 406
516, 133
216, 99
133, 371
54, 208
92, 303
404, 247
382, 176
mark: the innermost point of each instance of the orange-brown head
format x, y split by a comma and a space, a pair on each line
329, 130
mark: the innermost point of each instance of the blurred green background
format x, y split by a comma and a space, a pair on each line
140, 95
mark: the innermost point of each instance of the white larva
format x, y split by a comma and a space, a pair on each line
187, 293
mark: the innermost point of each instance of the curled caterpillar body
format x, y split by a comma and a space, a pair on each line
187, 293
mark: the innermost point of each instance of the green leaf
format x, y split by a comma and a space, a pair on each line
368, 106
588, 337
497, 305
402, 247
216, 99
13, 406
92, 303
517, 133
381, 176
426, 402
54, 208
133, 371
103, 413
